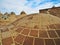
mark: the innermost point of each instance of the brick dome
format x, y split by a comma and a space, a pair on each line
33, 29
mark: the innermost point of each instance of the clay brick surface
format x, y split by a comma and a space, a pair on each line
52, 26
39, 42
57, 41
49, 42
34, 33
7, 41
19, 29
26, 31
28, 41
43, 34
52, 34
58, 32
19, 39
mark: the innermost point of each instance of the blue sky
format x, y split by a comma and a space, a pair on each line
29, 6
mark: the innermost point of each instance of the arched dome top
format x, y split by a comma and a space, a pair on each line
12, 13
22, 12
6, 13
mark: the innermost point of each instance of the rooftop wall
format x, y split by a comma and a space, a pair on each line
54, 11
43, 11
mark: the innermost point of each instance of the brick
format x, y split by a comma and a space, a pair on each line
28, 41
57, 26
43, 34
58, 32
25, 31
57, 41
39, 41
52, 26
49, 42
19, 39
52, 34
7, 41
19, 29
34, 33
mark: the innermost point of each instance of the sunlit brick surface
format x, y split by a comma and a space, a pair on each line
34, 29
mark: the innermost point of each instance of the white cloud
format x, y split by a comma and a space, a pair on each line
57, 5
19, 5
46, 5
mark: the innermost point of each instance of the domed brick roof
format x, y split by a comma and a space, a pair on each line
33, 29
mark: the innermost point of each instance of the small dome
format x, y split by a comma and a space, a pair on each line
23, 12
6, 13
12, 13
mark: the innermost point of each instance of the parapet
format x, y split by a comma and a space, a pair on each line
43, 11
54, 11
